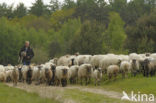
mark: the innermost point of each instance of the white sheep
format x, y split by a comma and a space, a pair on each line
112, 70
95, 60
2, 69
15, 75
97, 75
125, 67
2, 76
64, 60
73, 73
134, 66
61, 75
83, 59
109, 60
85, 72
8, 75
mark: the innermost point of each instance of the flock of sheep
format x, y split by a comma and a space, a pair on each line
78, 68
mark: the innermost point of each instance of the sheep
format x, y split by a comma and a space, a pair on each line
9, 67
124, 57
48, 75
53, 69
20, 73
125, 68
109, 60
134, 67
134, 56
64, 60
23, 72
95, 60
85, 72
41, 74
148, 67
73, 74
61, 75
36, 73
15, 75
97, 75
54, 61
83, 59
2, 69
112, 70
8, 75
29, 75
2, 76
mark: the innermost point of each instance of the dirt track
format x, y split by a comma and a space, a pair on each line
57, 92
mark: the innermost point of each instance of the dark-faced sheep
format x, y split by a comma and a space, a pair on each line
85, 72
61, 75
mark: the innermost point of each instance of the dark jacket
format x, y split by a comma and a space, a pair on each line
29, 53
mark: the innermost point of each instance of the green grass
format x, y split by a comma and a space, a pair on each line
136, 84
13, 95
86, 97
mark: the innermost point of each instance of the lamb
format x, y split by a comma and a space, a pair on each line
97, 75
15, 75
73, 74
112, 70
2, 76
125, 68
61, 75
85, 72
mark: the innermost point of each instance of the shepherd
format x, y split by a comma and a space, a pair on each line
26, 54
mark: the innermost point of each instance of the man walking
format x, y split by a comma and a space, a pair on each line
26, 54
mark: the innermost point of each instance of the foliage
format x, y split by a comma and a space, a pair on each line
115, 34
85, 26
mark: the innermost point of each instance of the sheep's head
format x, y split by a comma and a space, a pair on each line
46, 70
134, 61
119, 62
100, 70
88, 69
53, 67
64, 71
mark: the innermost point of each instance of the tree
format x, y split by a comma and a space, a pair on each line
20, 10
88, 40
142, 32
115, 34
38, 8
69, 4
54, 5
